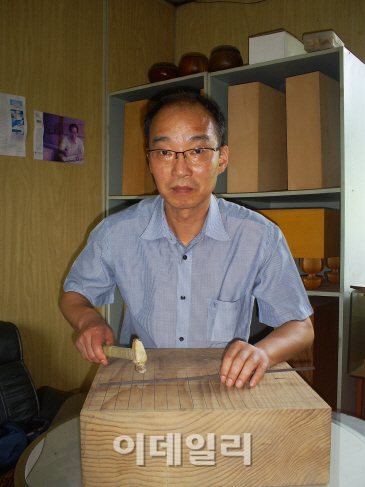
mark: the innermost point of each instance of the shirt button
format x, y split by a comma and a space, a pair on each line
181, 339
185, 257
182, 297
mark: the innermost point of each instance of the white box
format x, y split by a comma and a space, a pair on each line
273, 46
316, 41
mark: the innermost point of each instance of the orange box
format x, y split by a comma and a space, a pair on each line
313, 131
310, 233
256, 139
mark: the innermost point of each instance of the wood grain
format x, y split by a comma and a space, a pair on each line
286, 418
313, 119
139, 34
52, 55
257, 139
213, 24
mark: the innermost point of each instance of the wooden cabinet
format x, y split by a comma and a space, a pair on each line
338, 64
323, 355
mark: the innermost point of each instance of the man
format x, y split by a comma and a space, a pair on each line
72, 147
188, 265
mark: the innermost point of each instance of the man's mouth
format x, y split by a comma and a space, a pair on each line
182, 189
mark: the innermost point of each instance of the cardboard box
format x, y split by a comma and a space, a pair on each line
199, 432
313, 131
275, 45
256, 139
137, 178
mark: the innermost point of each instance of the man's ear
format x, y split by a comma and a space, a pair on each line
223, 159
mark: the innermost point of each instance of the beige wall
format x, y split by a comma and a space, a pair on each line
51, 53
202, 26
140, 33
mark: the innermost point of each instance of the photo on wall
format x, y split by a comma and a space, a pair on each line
58, 138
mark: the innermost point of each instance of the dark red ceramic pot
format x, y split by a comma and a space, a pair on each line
224, 57
192, 63
162, 72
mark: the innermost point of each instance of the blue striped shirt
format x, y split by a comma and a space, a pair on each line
197, 296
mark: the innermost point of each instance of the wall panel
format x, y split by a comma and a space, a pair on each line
52, 54
204, 25
140, 34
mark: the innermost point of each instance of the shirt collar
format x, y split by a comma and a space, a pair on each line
157, 226
215, 228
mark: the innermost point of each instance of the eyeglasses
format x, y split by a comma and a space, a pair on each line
192, 156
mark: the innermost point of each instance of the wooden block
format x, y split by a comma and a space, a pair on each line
256, 139
310, 233
143, 438
137, 178
323, 355
313, 131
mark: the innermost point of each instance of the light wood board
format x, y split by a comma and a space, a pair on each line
288, 422
313, 131
257, 139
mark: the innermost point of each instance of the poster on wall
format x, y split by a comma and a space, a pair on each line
58, 138
13, 125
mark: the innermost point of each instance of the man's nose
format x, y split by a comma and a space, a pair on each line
181, 167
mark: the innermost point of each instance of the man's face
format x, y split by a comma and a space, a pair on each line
181, 184
73, 133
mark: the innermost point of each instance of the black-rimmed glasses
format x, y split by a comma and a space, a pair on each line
198, 155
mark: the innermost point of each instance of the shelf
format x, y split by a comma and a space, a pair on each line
326, 289
274, 73
196, 81
338, 64
312, 198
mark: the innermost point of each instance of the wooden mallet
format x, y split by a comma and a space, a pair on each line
137, 354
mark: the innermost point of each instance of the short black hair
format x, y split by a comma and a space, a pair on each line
188, 98
72, 125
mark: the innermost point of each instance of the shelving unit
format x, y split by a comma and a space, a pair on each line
340, 65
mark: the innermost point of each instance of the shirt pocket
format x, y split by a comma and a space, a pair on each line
228, 320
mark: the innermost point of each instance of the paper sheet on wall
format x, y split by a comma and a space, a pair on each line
58, 138
38, 135
13, 125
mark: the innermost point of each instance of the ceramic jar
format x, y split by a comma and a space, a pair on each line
224, 57
162, 72
192, 63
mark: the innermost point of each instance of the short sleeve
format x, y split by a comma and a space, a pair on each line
63, 144
81, 145
91, 274
279, 290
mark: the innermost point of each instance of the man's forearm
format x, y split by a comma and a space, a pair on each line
93, 330
78, 310
287, 340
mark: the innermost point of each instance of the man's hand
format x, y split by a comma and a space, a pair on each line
284, 342
93, 335
94, 331
240, 360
